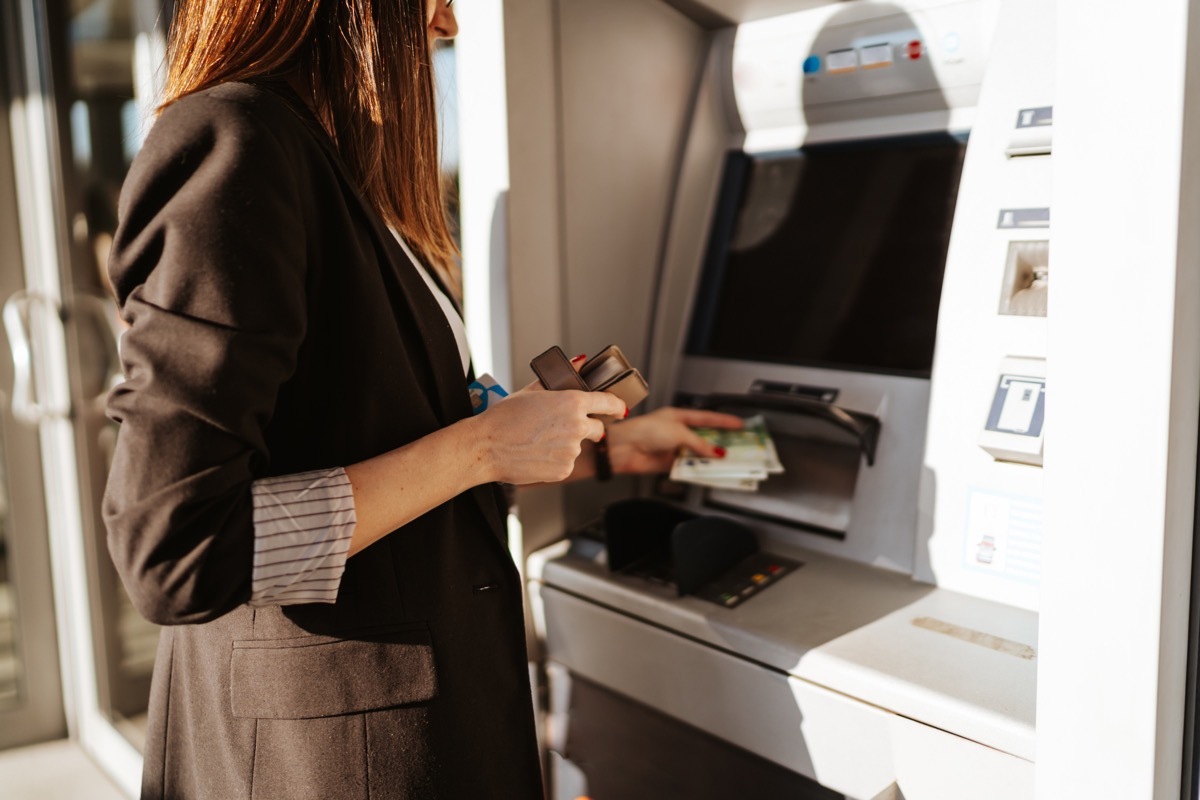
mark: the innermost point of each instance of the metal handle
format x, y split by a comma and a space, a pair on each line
18, 315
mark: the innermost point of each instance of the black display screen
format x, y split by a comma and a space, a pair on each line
831, 255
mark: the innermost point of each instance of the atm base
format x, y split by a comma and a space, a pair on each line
619, 749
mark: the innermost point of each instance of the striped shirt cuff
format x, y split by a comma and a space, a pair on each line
302, 529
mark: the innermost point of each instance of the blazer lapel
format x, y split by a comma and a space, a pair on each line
440, 344
439, 341
413, 294
441, 348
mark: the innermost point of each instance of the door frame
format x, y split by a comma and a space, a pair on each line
39, 714
46, 246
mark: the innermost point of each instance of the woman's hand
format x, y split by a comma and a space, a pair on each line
535, 436
649, 443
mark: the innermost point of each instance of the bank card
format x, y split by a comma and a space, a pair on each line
484, 390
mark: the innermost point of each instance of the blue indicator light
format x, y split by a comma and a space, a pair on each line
812, 64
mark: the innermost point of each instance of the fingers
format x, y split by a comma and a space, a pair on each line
701, 447
603, 404
595, 430
582, 407
707, 419
578, 361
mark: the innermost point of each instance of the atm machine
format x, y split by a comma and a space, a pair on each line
858, 250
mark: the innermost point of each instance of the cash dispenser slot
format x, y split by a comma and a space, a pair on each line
822, 447
713, 558
864, 427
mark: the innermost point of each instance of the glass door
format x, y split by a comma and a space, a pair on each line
31, 707
102, 55
85, 77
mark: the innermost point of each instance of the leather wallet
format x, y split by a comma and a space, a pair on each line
607, 371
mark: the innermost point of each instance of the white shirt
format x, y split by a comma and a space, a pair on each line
456, 322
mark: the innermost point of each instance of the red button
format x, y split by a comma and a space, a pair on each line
774, 569
914, 49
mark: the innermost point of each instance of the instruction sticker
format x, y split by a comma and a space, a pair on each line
1004, 535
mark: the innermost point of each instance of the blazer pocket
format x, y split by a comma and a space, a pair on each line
323, 676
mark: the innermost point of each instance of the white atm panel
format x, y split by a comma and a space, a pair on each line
815, 75
981, 509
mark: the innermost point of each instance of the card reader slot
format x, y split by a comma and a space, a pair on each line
864, 427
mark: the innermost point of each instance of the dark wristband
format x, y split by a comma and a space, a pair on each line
603, 462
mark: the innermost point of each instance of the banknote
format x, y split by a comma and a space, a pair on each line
750, 457
735, 484
691, 467
748, 449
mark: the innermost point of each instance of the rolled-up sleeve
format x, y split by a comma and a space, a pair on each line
209, 266
303, 524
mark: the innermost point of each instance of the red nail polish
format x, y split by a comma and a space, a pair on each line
720, 451
626, 413
604, 436
578, 358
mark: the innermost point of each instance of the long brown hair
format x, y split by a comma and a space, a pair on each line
369, 66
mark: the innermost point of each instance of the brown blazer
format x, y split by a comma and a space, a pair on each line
277, 327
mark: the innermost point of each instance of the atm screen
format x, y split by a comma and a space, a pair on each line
831, 255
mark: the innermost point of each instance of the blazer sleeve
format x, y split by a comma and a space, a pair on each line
209, 266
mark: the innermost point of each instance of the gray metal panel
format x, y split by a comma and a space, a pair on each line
630, 73
600, 100
534, 218
715, 130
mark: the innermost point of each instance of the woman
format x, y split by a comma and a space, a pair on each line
300, 491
